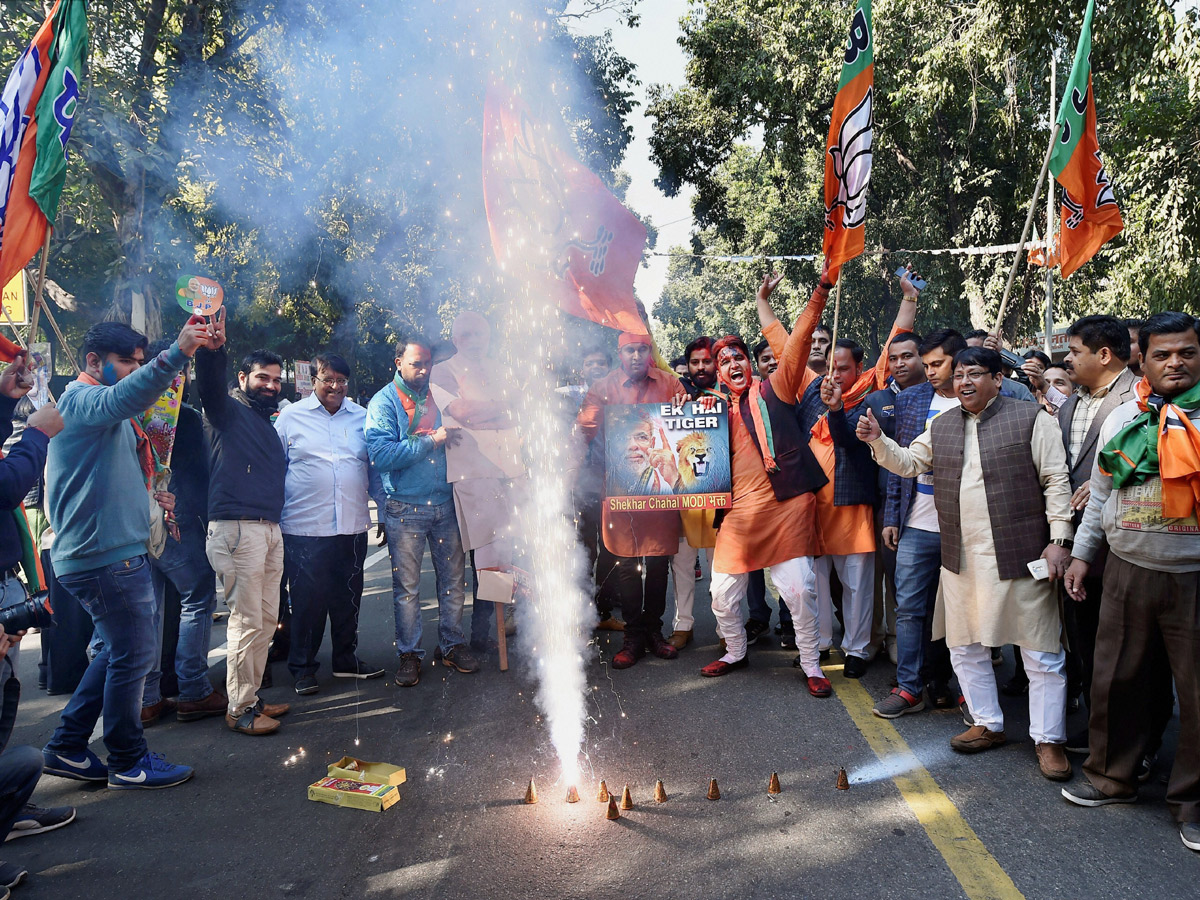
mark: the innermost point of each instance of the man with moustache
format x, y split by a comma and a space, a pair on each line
245, 503
325, 522
1144, 489
906, 370
407, 444
818, 355
634, 543
1002, 494
1134, 327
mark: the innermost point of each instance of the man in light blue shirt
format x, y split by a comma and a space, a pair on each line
324, 523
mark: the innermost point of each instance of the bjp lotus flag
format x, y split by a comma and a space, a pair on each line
1089, 210
37, 110
848, 148
553, 222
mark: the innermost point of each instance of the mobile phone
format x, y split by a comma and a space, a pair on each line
918, 283
1039, 569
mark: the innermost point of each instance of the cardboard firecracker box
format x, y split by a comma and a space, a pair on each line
359, 784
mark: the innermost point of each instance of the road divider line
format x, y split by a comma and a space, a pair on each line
977, 871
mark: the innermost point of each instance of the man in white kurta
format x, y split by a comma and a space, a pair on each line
976, 607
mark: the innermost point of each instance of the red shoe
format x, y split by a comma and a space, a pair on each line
629, 654
720, 667
661, 647
819, 686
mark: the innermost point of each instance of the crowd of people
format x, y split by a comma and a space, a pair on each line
934, 507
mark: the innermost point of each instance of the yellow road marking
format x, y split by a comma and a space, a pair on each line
976, 869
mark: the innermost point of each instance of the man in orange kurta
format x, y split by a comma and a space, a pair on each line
635, 541
772, 520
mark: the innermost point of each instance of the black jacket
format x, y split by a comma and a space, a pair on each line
19, 472
247, 464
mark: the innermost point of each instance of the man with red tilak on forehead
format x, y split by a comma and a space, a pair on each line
772, 520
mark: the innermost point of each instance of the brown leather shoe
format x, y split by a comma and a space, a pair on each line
680, 639
610, 623
252, 722
273, 710
154, 712
976, 739
1052, 760
213, 705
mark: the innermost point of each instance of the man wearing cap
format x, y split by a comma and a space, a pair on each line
635, 541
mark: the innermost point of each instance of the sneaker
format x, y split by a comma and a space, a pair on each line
85, 766
459, 657
1189, 833
754, 630
155, 711
898, 703
1087, 794
307, 684
215, 704
965, 711
151, 772
361, 670
409, 672
1077, 742
36, 820
1146, 767
787, 639
976, 739
11, 875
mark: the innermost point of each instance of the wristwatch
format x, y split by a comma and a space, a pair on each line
1064, 542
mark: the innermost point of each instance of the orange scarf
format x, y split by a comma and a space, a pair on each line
145, 450
867, 382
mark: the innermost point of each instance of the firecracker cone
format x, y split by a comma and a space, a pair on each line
602, 794
572, 795
843, 783
626, 799
531, 792
714, 792
660, 792
773, 785
613, 812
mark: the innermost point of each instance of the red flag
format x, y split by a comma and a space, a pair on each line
553, 222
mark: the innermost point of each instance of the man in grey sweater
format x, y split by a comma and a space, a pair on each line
1144, 490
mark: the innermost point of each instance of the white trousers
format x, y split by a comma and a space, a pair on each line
1047, 690
683, 573
797, 588
856, 572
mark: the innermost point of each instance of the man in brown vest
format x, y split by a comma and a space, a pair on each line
1002, 496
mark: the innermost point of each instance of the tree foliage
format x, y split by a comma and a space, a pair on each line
961, 125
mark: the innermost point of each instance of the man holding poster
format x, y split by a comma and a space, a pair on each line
645, 538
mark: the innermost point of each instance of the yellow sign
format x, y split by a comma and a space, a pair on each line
14, 301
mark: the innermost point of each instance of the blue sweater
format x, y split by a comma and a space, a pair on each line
96, 496
413, 470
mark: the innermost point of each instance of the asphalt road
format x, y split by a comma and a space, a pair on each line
243, 827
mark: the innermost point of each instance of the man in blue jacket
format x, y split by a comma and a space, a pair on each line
98, 477
406, 441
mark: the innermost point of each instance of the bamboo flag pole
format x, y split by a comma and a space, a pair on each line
15, 330
62, 341
1012, 273
41, 284
837, 306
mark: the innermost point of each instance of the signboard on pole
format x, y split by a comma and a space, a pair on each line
659, 456
14, 300
304, 385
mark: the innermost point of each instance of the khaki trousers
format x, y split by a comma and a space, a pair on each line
247, 556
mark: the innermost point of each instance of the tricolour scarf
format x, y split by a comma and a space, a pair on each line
422, 412
1162, 441
760, 418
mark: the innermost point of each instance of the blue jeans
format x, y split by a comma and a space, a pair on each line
409, 529
918, 566
120, 600
185, 565
20, 769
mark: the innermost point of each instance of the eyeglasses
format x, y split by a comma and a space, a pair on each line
334, 382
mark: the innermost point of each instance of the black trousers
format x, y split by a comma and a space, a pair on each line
325, 578
587, 521
65, 643
642, 603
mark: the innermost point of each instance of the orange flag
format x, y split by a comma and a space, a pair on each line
553, 223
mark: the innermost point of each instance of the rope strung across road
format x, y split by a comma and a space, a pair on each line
993, 250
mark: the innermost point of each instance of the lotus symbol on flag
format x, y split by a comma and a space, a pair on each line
852, 166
